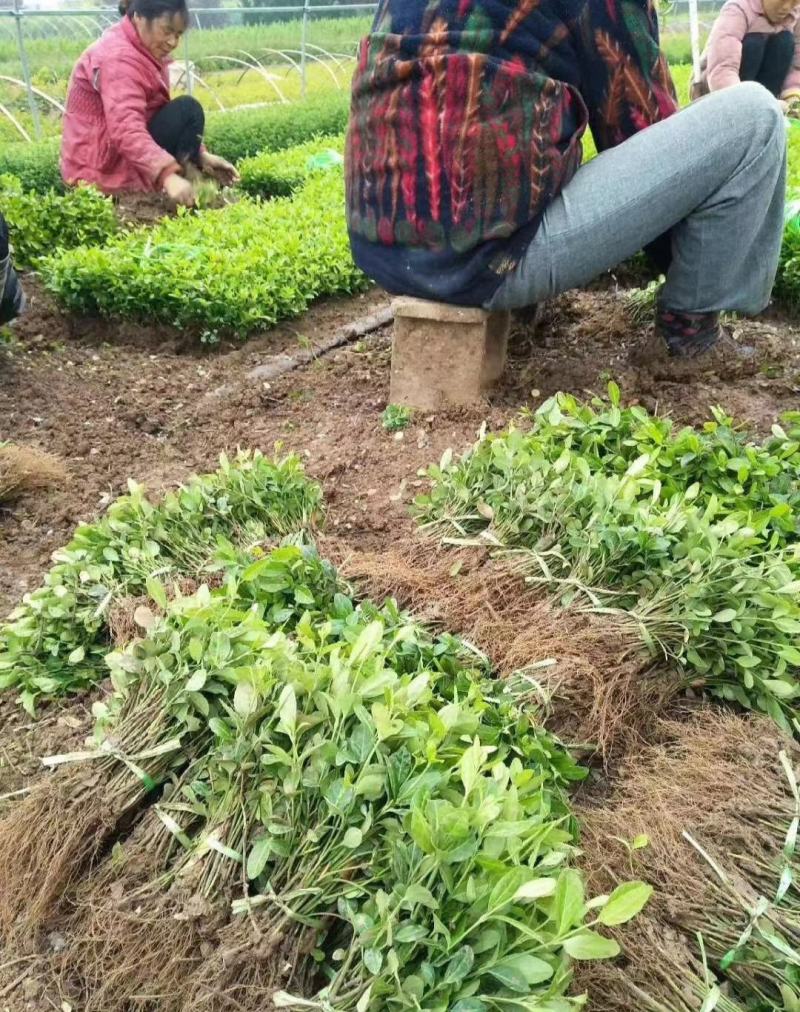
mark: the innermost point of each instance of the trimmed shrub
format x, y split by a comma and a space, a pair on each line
280, 173
231, 271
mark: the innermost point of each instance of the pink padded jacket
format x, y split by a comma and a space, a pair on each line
723, 56
116, 88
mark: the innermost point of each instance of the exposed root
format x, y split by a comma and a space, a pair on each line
596, 675
26, 469
659, 972
131, 942
718, 777
45, 843
248, 966
133, 951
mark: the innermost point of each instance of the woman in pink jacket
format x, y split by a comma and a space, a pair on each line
754, 40
121, 130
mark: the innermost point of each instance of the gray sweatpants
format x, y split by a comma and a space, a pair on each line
714, 173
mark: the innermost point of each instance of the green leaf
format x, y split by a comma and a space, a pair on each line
530, 968
353, 838
197, 681
287, 711
420, 831
411, 933
156, 591
536, 889
509, 977
506, 889
590, 945
373, 960
417, 894
780, 688
568, 901
258, 857
726, 615
625, 903
459, 966
472, 760
245, 699
367, 643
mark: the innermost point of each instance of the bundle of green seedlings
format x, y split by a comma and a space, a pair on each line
226, 272
640, 303
385, 826
41, 223
691, 535
710, 813
280, 173
160, 717
55, 642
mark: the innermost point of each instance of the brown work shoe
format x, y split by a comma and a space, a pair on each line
724, 358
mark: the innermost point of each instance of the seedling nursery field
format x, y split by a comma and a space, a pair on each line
311, 702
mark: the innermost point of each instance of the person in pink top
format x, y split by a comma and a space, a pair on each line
754, 40
122, 132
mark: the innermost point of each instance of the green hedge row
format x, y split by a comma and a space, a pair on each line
35, 165
280, 173
244, 132
41, 223
235, 135
226, 272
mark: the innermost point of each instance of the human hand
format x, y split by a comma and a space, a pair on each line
790, 104
219, 169
179, 190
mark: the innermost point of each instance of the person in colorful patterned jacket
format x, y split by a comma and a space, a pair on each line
463, 155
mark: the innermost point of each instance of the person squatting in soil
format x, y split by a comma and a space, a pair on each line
464, 182
122, 131
12, 297
754, 40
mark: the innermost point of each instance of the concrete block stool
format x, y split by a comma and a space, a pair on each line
445, 355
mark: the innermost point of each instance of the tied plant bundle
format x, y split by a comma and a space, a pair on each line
55, 641
354, 812
691, 537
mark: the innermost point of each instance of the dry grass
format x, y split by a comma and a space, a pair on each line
25, 469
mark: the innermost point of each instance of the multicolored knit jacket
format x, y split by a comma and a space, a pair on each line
466, 121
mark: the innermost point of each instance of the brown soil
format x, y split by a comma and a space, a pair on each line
117, 402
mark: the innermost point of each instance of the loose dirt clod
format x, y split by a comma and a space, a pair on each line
27, 469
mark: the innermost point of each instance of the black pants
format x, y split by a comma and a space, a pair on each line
767, 59
178, 128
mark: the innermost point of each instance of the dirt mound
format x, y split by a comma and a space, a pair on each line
592, 673
712, 803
